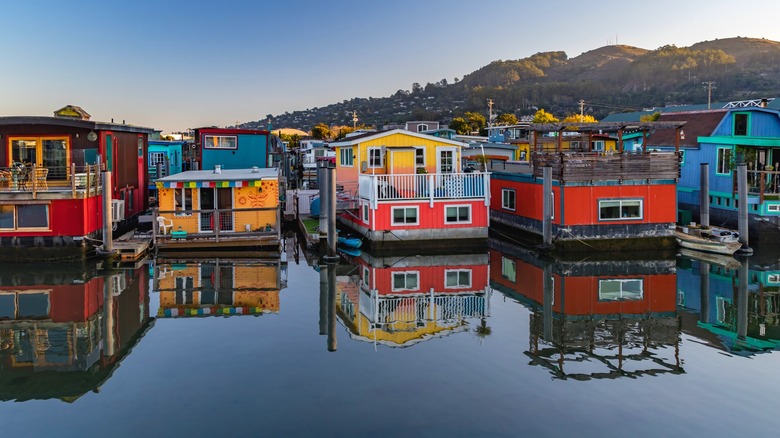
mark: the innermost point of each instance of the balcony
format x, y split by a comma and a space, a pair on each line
34, 182
435, 186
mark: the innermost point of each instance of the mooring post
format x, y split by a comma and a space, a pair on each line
742, 193
704, 292
323, 299
108, 243
332, 344
548, 290
331, 189
704, 196
546, 205
322, 182
159, 170
742, 298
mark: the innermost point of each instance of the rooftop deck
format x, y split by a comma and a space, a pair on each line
35, 182
434, 186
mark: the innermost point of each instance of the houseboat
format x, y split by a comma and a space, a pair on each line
409, 187
217, 287
219, 209
747, 132
599, 198
401, 300
166, 157
619, 317
50, 182
233, 148
65, 329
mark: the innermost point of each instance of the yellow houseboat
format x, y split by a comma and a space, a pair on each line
220, 209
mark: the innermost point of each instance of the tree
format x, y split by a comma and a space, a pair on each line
476, 121
460, 125
576, 118
321, 131
650, 117
543, 116
506, 119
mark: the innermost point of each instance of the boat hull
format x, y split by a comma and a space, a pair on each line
706, 245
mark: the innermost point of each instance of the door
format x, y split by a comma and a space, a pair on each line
216, 199
206, 205
445, 163
225, 203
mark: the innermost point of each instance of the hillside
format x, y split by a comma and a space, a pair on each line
610, 79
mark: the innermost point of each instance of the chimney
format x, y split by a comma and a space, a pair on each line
764, 102
217, 168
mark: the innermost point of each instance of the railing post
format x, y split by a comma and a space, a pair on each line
215, 217
431, 188
73, 180
32, 176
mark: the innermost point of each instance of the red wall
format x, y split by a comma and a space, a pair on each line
71, 302
70, 217
431, 277
430, 218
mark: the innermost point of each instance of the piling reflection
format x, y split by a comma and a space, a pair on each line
594, 319
209, 287
734, 308
64, 329
401, 300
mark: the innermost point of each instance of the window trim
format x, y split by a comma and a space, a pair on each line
39, 139
734, 124
726, 164
405, 224
406, 275
424, 157
504, 205
457, 221
346, 152
370, 158
183, 201
459, 286
621, 281
620, 206
215, 145
508, 262
17, 228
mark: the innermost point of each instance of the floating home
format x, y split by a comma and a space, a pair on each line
232, 148
618, 316
409, 187
217, 287
398, 301
598, 197
166, 157
50, 184
220, 209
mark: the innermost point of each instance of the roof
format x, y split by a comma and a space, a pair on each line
73, 123
72, 111
697, 124
254, 173
207, 129
351, 141
603, 126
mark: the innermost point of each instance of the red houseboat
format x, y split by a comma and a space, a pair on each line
50, 185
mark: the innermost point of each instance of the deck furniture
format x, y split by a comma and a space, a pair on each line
164, 224
5, 179
41, 174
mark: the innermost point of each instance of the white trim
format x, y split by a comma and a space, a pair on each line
620, 206
234, 137
458, 206
381, 157
504, 206
458, 286
620, 294
406, 275
405, 224
383, 134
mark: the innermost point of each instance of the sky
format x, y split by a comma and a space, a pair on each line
179, 64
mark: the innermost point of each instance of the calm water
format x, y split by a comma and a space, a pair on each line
490, 343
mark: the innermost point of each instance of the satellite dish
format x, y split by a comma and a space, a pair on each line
92, 136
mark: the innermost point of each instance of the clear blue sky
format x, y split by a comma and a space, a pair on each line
177, 64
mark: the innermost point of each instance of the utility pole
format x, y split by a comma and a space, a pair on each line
354, 120
490, 112
709, 85
582, 110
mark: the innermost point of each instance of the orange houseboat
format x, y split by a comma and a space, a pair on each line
64, 331
410, 187
50, 185
599, 196
616, 316
399, 301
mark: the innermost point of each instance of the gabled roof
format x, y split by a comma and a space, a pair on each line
351, 141
72, 111
697, 124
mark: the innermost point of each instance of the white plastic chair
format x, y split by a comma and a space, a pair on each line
164, 224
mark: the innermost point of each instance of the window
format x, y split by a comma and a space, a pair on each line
620, 209
366, 277
220, 142
406, 281
419, 157
620, 289
50, 152
422, 127
185, 288
574, 145
405, 216
772, 208
374, 157
508, 269
182, 199
25, 305
457, 278
724, 161
740, 124
345, 157
508, 199
447, 161
15, 217
156, 157
365, 213
457, 214
597, 145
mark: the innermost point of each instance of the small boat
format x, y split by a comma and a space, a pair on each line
352, 252
723, 260
713, 239
349, 242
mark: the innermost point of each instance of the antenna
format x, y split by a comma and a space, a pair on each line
582, 110
354, 120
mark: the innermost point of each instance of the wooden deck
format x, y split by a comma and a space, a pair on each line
594, 166
226, 241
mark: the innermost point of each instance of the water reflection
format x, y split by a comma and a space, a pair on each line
399, 301
731, 308
224, 287
594, 319
65, 328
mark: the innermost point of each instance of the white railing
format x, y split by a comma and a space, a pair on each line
425, 186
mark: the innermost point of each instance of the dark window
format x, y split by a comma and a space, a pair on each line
740, 124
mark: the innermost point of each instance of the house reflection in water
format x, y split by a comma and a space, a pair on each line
399, 301
65, 328
731, 308
217, 287
594, 319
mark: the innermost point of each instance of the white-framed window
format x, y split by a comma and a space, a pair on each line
346, 158
406, 216
457, 278
508, 199
24, 216
365, 213
156, 157
220, 142
419, 157
509, 269
724, 161
773, 278
182, 202
408, 280
27, 304
422, 127
773, 208
620, 209
366, 277
457, 214
597, 145
375, 157
621, 289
